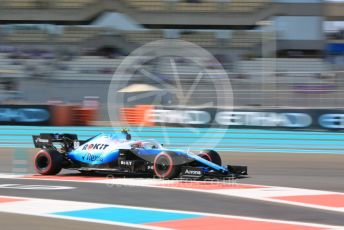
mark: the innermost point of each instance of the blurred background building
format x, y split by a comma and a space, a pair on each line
277, 53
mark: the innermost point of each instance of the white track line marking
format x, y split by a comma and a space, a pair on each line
43, 208
262, 192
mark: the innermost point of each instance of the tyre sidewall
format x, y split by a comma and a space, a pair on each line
211, 156
54, 162
173, 168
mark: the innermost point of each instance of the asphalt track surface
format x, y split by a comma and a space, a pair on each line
312, 171
15, 222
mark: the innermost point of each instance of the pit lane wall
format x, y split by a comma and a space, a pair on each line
286, 119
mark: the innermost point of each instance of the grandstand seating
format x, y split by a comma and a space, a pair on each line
19, 4
26, 35
244, 39
37, 4
78, 34
69, 34
289, 70
6, 64
292, 65
10, 68
239, 39
87, 68
203, 39
143, 37
72, 3
75, 34
239, 6
94, 65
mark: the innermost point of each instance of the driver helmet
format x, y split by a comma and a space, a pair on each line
126, 132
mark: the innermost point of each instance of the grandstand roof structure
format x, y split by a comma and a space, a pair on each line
217, 14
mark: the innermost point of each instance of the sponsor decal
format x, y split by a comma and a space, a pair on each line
192, 172
26, 115
126, 163
42, 140
191, 117
234, 118
150, 167
76, 144
270, 119
332, 121
95, 147
92, 157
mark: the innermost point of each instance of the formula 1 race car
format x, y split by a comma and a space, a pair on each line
116, 153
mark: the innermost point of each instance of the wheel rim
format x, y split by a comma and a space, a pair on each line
42, 162
162, 166
206, 157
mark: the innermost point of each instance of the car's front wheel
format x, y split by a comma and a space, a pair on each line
211, 155
167, 165
48, 162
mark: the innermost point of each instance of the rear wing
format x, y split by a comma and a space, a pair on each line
47, 140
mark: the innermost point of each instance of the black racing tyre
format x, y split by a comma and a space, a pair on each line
167, 165
211, 156
48, 162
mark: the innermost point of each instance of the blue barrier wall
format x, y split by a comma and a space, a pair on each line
229, 140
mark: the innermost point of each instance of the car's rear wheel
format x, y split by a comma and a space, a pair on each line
211, 155
167, 165
48, 162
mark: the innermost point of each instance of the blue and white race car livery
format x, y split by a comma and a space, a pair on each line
117, 153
